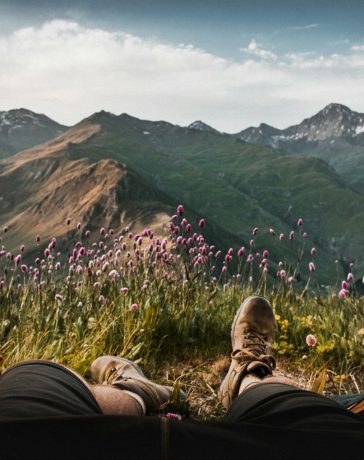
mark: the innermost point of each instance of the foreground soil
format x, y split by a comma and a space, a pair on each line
201, 379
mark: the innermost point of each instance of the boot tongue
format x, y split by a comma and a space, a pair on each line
258, 368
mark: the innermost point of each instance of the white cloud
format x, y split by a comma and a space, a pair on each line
256, 49
306, 27
68, 72
358, 47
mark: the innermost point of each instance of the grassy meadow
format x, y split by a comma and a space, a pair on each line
167, 302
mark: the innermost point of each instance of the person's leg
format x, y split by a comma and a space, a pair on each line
124, 376
252, 365
113, 401
44, 388
252, 335
250, 380
250, 391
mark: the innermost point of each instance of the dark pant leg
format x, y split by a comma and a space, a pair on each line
43, 389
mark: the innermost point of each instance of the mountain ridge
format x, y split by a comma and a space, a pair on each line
21, 129
334, 134
233, 184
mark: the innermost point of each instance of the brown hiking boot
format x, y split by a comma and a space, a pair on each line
252, 335
126, 375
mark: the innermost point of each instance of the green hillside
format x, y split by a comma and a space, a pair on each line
238, 185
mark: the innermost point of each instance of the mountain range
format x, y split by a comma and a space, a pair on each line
335, 134
120, 170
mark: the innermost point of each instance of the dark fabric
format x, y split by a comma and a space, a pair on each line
281, 402
348, 400
106, 437
43, 389
266, 422
286, 406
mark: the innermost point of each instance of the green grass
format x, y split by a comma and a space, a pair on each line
182, 311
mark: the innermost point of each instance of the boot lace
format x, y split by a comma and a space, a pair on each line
254, 349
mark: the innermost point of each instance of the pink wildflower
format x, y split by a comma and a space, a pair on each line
17, 259
134, 306
105, 266
313, 251
344, 284
173, 416
272, 232
311, 267
114, 274
343, 293
350, 276
299, 222
102, 299
180, 210
281, 237
311, 340
265, 254
68, 221
202, 222
58, 297
241, 251
291, 235
124, 290
255, 231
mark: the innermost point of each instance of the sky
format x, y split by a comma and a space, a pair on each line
232, 64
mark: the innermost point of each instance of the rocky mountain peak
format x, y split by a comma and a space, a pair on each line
22, 128
335, 110
333, 121
201, 126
